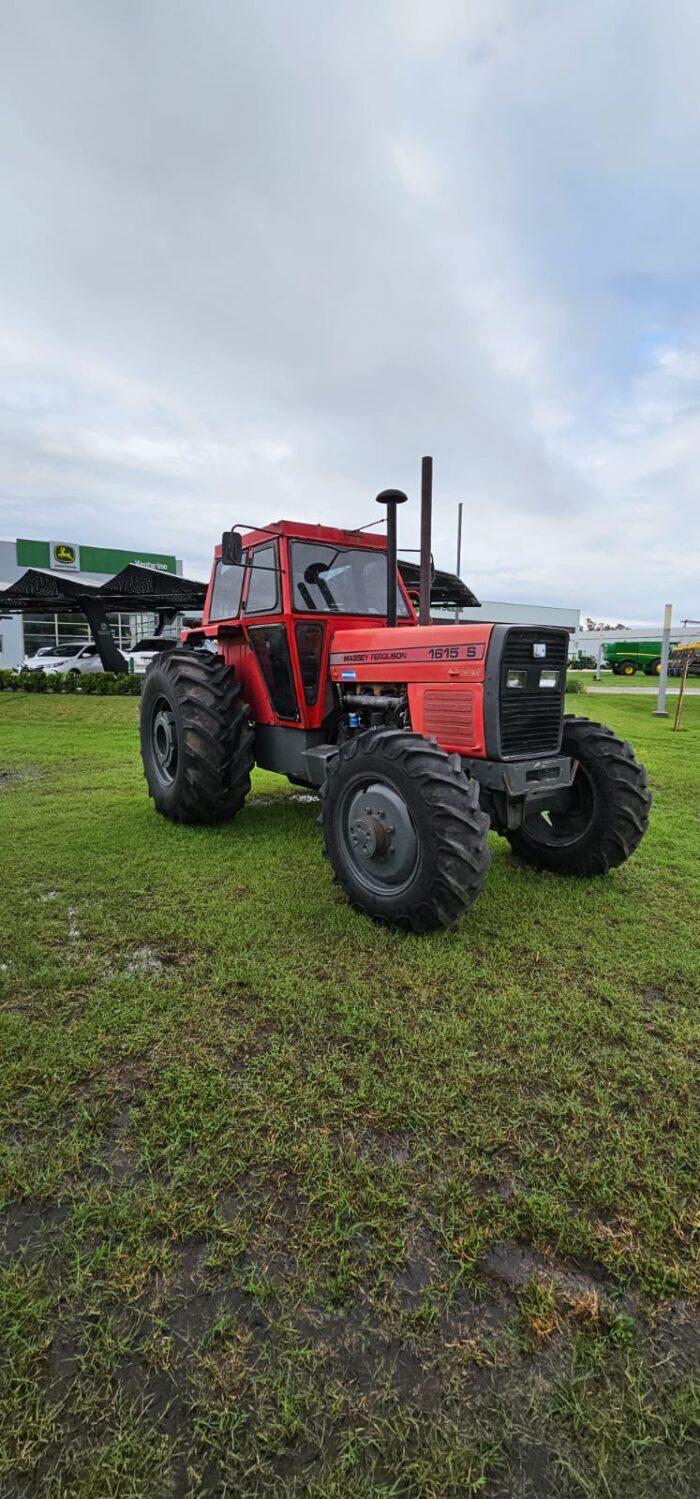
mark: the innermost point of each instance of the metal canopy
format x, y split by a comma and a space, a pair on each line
135, 587
447, 591
144, 587
37, 586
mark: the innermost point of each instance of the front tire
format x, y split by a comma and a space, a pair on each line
196, 740
598, 822
403, 830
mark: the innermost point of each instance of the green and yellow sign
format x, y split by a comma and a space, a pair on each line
68, 556
64, 555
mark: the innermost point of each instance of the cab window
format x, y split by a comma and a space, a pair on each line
226, 593
263, 587
272, 652
341, 580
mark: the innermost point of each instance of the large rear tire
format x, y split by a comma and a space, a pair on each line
403, 830
196, 740
601, 819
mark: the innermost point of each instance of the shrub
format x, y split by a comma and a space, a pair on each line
94, 683
573, 685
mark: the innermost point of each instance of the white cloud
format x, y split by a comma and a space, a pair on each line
257, 260
417, 168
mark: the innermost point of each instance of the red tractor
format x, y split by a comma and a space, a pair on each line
310, 661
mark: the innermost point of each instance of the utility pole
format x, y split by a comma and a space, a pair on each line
459, 549
660, 709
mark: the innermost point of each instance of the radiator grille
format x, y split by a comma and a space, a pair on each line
449, 715
531, 716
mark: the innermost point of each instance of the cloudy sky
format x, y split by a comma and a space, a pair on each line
257, 256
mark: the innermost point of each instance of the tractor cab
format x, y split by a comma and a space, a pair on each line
280, 595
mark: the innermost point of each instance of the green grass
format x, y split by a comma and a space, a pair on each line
297, 1205
622, 684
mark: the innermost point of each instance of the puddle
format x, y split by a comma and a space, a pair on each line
515, 1266
10, 778
144, 961
280, 801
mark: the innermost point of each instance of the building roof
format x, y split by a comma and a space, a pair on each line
134, 587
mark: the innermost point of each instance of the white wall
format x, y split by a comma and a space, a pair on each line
499, 613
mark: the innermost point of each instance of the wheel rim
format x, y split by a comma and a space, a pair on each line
570, 820
163, 733
378, 836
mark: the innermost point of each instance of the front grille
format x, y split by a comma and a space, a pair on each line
448, 713
531, 716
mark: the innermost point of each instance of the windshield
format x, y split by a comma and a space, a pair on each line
341, 580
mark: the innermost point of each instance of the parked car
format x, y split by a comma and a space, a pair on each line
140, 656
64, 660
35, 662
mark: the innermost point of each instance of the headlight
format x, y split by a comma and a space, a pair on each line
516, 679
549, 679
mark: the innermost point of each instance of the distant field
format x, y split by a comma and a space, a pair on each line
621, 684
296, 1205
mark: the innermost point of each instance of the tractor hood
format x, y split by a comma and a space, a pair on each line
419, 653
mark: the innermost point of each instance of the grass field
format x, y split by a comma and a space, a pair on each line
623, 684
296, 1205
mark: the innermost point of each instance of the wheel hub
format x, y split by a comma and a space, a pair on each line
164, 740
370, 837
381, 838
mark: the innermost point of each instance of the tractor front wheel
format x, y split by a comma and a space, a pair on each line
196, 741
403, 829
597, 822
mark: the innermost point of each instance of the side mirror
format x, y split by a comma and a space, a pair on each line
232, 548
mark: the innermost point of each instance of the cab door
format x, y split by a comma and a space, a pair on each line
268, 637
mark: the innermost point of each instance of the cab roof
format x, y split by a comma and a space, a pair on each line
300, 531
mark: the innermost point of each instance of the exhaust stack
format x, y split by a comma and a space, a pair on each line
391, 498
426, 525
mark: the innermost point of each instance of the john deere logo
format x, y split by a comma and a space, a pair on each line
64, 555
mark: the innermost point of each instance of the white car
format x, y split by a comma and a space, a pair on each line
35, 662
139, 658
64, 660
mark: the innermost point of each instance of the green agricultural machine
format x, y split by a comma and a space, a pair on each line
626, 657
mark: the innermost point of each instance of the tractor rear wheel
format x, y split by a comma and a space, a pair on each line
597, 822
403, 829
196, 741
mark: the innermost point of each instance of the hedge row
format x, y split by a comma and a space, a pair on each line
95, 683
106, 683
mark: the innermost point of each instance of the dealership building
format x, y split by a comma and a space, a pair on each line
24, 634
